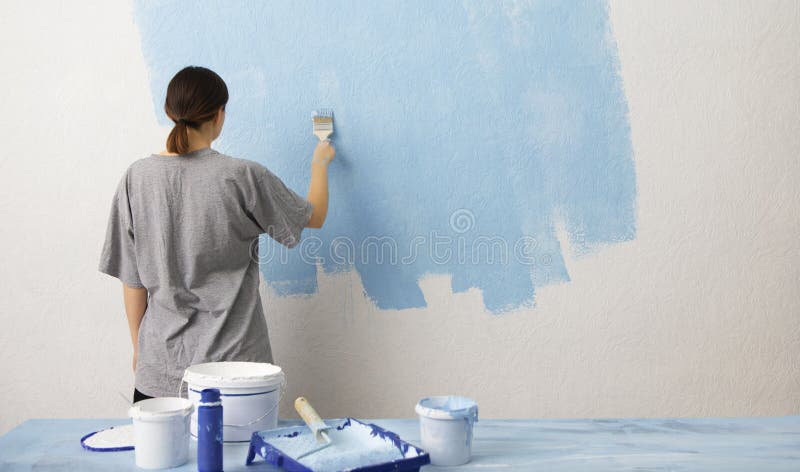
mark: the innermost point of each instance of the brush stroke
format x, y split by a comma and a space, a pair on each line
508, 118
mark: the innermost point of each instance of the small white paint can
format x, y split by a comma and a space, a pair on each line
446, 424
161, 431
250, 393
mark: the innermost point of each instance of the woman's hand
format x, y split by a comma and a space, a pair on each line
323, 153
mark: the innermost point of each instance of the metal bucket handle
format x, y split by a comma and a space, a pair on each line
280, 396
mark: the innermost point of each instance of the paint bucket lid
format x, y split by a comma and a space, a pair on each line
115, 438
161, 408
448, 407
234, 374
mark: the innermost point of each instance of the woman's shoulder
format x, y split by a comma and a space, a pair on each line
248, 166
221, 164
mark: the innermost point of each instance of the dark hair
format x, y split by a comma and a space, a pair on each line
194, 96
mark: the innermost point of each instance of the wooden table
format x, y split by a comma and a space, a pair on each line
697, 444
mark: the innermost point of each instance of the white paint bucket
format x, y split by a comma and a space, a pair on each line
250, 393
446, 425
161, 432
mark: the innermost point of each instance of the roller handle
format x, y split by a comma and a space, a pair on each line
312, 419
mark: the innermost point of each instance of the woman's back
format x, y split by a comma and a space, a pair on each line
186, 228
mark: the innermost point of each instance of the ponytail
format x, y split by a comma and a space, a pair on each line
178, 139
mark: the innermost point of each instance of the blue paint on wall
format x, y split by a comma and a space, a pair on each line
482, 122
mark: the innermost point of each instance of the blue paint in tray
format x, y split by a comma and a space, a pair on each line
356, 446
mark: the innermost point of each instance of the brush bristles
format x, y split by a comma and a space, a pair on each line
323, 113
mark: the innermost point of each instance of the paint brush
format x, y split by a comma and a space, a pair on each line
317, 425
323, 123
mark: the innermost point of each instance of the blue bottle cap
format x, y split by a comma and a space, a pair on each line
209, 395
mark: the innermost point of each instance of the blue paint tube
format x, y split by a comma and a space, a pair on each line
209, 431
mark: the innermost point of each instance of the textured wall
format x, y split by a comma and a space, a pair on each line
697, 315
465, 132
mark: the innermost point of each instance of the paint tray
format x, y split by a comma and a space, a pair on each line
356, 447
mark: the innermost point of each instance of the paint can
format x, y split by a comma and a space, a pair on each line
250, 394
446, 424
161, 432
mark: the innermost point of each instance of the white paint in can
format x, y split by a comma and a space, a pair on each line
250, 394
446, 425
161, 432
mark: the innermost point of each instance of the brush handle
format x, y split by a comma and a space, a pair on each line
323, 135
311, 417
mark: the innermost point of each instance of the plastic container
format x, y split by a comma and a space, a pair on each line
446, 425
161, 431
209, 431
250, 393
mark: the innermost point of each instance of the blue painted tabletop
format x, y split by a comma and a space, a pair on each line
696, 444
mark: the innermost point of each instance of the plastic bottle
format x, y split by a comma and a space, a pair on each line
209, 431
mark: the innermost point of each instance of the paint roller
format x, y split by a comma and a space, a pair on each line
315, 423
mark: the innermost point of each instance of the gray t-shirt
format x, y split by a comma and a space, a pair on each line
186, 228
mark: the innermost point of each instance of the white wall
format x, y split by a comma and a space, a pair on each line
699, 315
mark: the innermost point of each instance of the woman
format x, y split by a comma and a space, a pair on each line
182, 226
